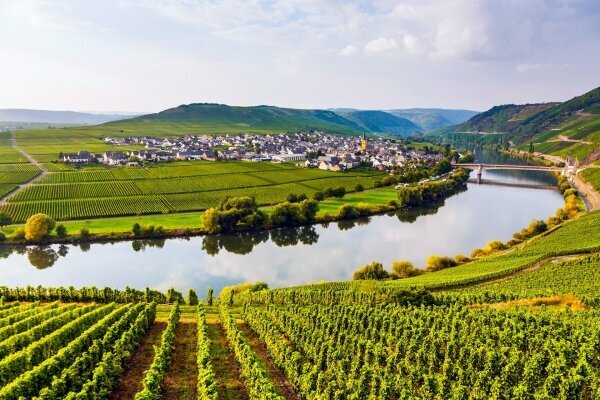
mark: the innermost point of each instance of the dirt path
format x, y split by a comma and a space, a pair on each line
285, 388
181, 379
131, 380
43, 170
230, 385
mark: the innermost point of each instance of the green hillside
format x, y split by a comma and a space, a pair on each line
568, 129
222, 119
382, 122
502, 119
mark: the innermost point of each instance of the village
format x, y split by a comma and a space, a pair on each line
311, 149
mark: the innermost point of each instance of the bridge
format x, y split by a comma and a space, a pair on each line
479, 167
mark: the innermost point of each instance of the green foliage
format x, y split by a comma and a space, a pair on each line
5, 219
404, 269
437, 263
151, 386
61, 231
38, 227
373, 271
209, 296
256, 378
207, 380
192, 299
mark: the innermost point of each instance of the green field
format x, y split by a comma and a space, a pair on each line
96, 192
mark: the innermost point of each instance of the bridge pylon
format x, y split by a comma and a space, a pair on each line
479, 173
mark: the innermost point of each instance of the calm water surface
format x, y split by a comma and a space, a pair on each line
294, 256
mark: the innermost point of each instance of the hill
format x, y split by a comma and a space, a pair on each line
222, 119
501, 119
433, 118
56, 117
383, 122
570, 128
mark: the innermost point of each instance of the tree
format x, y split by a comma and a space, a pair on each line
319, 196
5, 219
287, 214
371, 271
404, 269
38, 227
61, 231
209, 296
531, 148
339, 192
192, 299
436, 263
309, 209
210, 220
136, 229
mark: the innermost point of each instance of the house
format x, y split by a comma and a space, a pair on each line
82, 157
114, 158
288, 157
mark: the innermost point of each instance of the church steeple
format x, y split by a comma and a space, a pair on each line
363, 142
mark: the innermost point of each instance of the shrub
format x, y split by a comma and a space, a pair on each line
461, 259
61, 231
292, 198
348, 211
359, 188
287, 214
339, 192
319, 196
192, 299
19, 234
38, 227
5, 219
371, 271
494, 246
84, 233
437, 263
404, 269
2, 237
136, 229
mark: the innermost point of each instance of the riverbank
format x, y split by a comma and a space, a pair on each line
189, 224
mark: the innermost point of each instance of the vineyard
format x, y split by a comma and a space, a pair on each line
97, 192
521, 325
298, 344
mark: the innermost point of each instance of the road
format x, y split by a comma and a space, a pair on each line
590, 196
22, 186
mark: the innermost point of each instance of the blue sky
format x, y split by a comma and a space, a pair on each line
148, 55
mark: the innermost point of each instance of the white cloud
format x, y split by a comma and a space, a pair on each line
349, 50
528, 67
380, 45
412, 44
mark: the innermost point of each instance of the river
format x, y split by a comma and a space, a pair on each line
295, 256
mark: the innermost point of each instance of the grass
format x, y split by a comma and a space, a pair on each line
192, 219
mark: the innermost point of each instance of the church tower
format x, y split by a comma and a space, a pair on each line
363, 142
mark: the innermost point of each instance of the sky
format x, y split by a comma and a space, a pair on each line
149, 55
